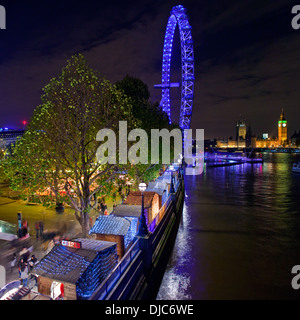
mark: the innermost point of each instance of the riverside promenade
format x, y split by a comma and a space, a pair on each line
64, 224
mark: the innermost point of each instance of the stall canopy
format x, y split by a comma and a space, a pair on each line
111, 225
135, 198
124, 226
127, 210
85, 266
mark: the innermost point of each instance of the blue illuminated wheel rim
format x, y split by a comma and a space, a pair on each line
178, 16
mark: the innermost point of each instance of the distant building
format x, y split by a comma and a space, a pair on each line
244, 138
230, 143
282, 130
240, 130
265, 136
9, 136
264, 143
295, 140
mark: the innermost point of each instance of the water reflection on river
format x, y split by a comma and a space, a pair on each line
240, 233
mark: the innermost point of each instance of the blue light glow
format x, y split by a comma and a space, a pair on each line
178, 16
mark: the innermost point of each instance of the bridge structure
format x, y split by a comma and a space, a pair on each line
178, 17
221, 159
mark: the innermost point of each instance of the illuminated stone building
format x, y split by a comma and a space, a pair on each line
240, 130
282, 130
281, 141
264, 143
244, 138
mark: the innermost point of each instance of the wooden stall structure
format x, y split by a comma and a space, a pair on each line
72, 270
119, 229
151, 203
161, 188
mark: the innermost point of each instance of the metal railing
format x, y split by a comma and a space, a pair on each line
116, 273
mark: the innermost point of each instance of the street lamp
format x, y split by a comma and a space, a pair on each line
172, 190
143, 230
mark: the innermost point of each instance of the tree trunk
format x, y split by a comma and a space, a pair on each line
85, 225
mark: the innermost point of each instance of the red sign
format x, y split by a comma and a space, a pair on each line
71, 244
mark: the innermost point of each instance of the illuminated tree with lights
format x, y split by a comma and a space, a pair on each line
57, 154
60, 137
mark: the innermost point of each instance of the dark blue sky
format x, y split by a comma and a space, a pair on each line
247, 55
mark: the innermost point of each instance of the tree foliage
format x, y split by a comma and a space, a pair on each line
56, 158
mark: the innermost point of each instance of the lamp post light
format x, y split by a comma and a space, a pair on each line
143, 230
172, 189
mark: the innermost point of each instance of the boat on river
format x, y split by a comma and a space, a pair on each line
296, 167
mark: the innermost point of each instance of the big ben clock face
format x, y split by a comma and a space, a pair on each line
284, 124
279, 124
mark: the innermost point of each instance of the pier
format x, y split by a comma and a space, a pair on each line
223, 159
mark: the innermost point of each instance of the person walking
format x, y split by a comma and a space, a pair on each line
37, 229
24, 275
32, 262
20, 266
41, 224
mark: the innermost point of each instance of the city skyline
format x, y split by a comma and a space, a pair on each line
245, 54
273, 133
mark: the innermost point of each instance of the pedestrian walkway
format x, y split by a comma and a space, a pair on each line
64, 224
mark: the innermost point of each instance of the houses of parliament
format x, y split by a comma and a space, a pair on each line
244, 137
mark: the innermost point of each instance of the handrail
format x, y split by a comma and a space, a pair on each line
116, 273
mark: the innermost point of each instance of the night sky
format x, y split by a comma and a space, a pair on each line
247, 55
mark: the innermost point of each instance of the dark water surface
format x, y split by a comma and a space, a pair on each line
240, 233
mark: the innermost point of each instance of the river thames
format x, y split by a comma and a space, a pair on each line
239, 235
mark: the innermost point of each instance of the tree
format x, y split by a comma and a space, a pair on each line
59, 147
58, 151
31, 167
151, 116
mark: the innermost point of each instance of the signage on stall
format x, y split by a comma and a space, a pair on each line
71, 244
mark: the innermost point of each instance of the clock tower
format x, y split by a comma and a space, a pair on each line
282, 129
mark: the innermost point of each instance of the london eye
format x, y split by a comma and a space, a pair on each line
178, 17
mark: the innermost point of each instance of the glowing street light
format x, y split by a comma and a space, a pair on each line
143, 230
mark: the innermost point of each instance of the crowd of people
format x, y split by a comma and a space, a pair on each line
24, 265
23, 231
